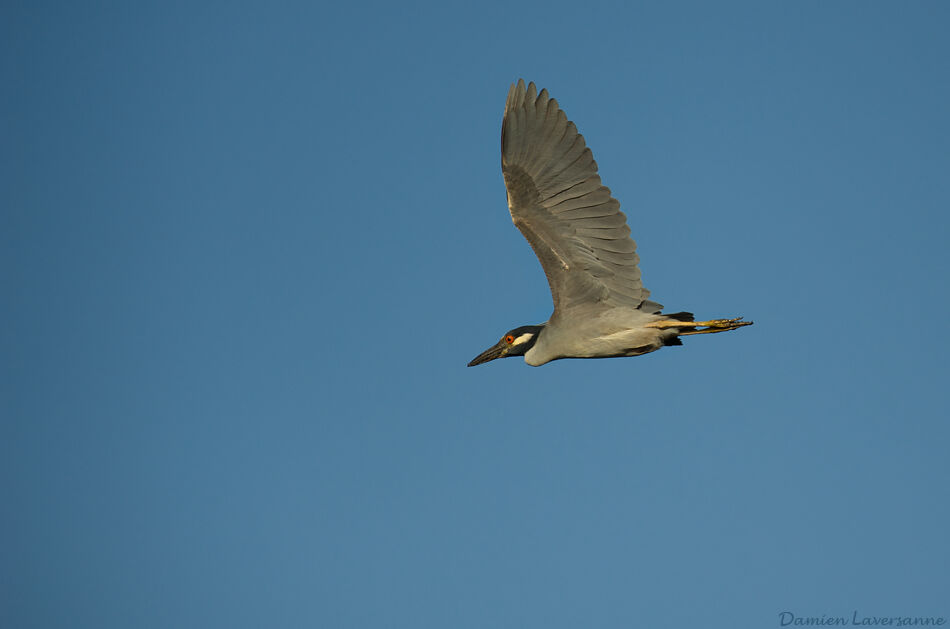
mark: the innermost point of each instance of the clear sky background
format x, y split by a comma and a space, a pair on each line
248, 249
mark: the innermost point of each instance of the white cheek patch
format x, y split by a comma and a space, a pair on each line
524, 338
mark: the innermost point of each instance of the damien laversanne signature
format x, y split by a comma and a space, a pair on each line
789, 619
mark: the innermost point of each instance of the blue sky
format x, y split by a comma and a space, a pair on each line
248, 249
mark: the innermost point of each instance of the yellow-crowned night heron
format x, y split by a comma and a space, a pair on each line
581, 237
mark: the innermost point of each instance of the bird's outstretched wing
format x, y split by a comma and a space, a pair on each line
557, 201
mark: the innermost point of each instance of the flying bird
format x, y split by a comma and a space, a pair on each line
576, 228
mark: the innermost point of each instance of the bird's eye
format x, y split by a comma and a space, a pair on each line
509, 339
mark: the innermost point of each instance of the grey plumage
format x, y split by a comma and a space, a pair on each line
558, 202
576, 228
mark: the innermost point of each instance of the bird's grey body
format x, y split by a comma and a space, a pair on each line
576, 228
598, 333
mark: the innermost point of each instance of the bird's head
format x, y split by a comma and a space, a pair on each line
514, 343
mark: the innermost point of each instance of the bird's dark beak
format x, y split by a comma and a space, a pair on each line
493, 352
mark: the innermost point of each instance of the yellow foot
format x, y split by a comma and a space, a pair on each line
707, 327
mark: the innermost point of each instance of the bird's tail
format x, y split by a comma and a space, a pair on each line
679, 316
673, 338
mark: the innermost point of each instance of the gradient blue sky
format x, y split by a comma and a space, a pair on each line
248, 249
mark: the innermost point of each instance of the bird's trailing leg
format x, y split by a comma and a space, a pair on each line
701, 327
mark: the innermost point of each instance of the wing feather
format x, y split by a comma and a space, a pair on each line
567, 215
